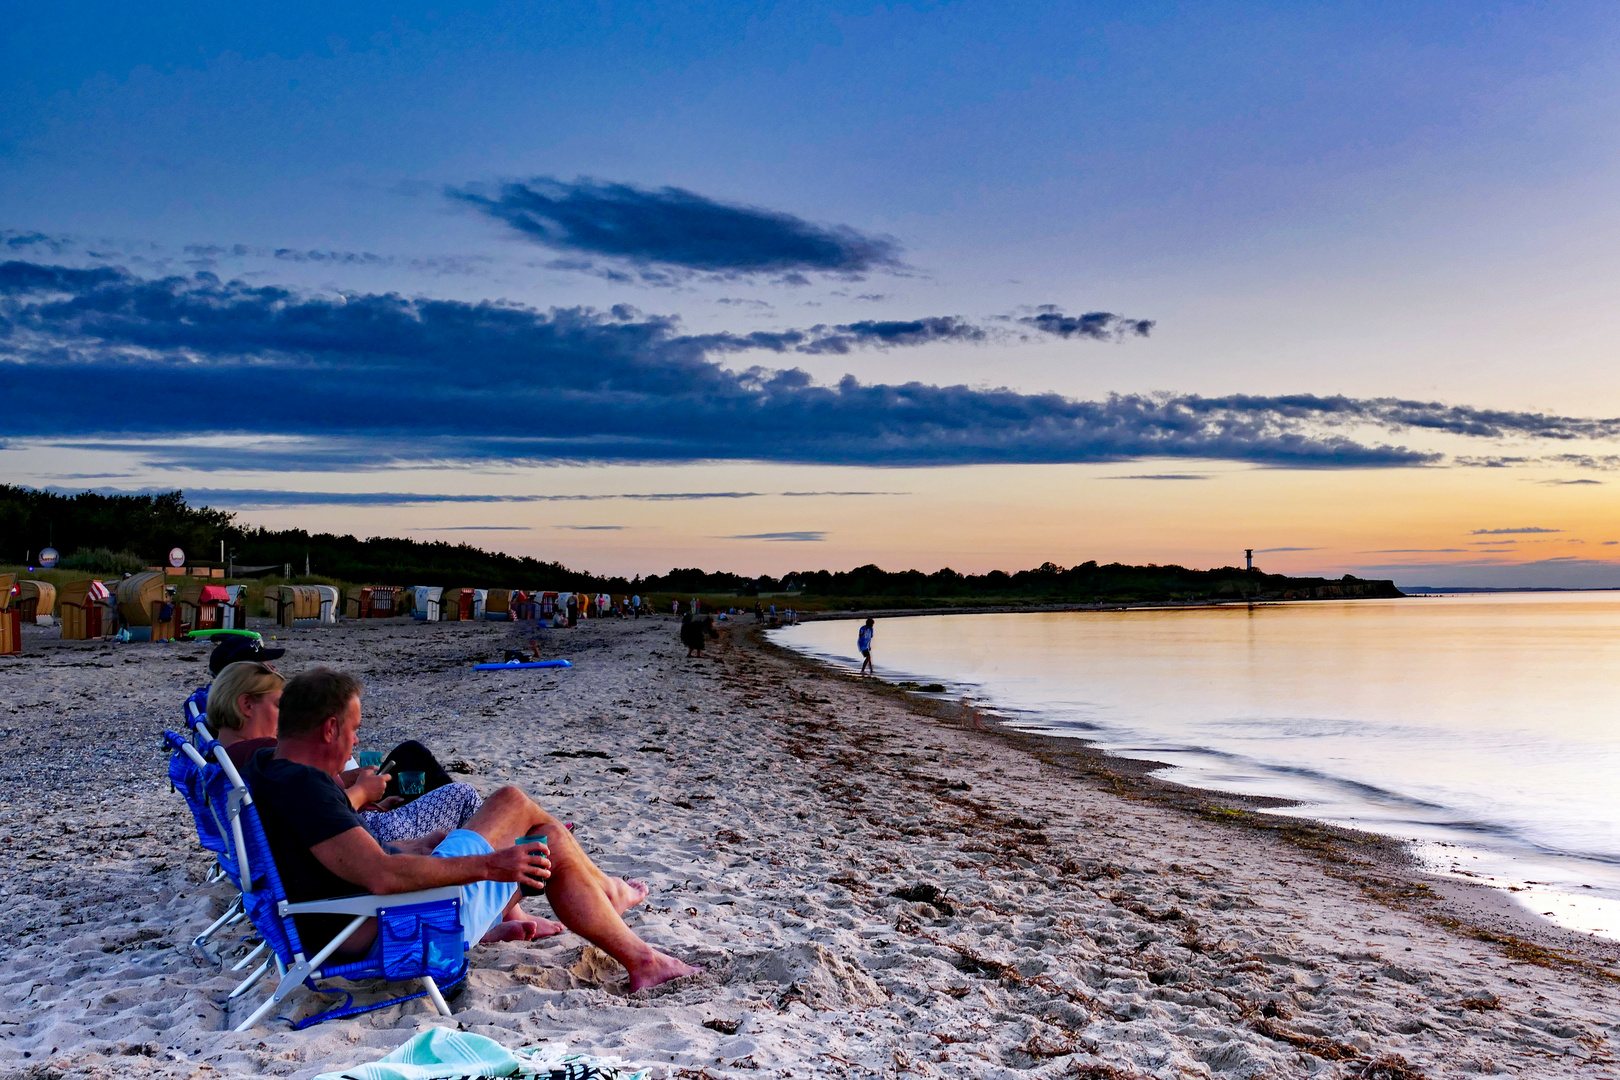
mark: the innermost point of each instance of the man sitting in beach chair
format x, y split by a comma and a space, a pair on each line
322, 850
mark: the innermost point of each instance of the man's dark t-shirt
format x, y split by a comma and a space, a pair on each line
300, 807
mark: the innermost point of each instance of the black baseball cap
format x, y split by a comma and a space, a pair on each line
236, 649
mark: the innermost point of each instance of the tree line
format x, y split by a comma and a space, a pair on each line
114, 533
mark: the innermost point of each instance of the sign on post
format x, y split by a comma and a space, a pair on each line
177, 558
48, 557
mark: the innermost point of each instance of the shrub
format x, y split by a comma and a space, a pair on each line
104, 561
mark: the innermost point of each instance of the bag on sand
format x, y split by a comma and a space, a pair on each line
441, 1054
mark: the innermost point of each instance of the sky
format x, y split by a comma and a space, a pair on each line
775, 287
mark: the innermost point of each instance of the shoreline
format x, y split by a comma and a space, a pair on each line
1491, 905
875, 886
1469, 907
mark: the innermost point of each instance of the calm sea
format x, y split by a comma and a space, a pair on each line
1485, 729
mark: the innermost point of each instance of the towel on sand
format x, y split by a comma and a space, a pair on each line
441, 1054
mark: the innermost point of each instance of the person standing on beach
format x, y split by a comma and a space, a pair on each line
863, 641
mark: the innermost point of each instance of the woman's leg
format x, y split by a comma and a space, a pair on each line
441, 810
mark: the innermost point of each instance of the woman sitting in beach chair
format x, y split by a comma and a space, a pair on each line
244, 707
322, 851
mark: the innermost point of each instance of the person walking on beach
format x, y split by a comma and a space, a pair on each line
863, 641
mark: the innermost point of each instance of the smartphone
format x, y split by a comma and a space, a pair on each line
530, 890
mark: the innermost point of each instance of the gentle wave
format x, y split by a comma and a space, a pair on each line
1484, 723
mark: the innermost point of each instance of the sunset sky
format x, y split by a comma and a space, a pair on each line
763, 288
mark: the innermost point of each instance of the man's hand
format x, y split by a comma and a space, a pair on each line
367, 786
526, 864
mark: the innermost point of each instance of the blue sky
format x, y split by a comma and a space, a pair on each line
1326, 244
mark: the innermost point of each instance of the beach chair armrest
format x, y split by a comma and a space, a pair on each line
367, 904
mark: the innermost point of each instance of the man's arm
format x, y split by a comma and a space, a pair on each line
358, 859
365, 786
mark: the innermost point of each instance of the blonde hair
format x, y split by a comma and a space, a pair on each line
246, 677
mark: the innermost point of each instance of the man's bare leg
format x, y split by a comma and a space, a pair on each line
579, 893
518, 925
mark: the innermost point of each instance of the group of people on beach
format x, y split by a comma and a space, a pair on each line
338, 829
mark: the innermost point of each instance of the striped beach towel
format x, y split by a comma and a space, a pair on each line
442, 1054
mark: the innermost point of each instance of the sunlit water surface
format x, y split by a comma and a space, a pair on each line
1483, 728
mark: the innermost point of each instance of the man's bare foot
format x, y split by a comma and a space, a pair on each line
525, 929
660, 969
625, 894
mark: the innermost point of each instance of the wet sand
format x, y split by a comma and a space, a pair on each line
1060, 913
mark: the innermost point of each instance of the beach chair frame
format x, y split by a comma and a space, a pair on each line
419, 933
187, 775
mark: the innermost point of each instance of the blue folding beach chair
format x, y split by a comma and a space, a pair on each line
196, 708
187, 771
418, 933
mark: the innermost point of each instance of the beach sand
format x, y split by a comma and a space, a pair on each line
1063, 915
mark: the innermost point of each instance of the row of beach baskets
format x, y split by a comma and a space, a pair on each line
428, 603
148, 607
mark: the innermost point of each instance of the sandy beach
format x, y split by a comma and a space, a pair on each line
878, 883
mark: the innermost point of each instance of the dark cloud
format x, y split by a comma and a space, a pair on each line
208, 256
1413, 551
1097, 325
88, 476
592, 528
13, 240
1568, 483
260, 498
476, 528
1268, 551
1157, 476
369, 380
1605, 462
1505, 532
674, 227
809, 536
337, 258
248, 497
885, 334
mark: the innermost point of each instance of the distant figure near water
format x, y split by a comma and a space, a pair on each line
863, 641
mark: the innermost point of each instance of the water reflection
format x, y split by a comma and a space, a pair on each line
1483, 721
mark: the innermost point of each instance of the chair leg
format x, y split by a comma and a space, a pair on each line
300, 971
434, 995
248, 959
248, 983
289, 982
234, 909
